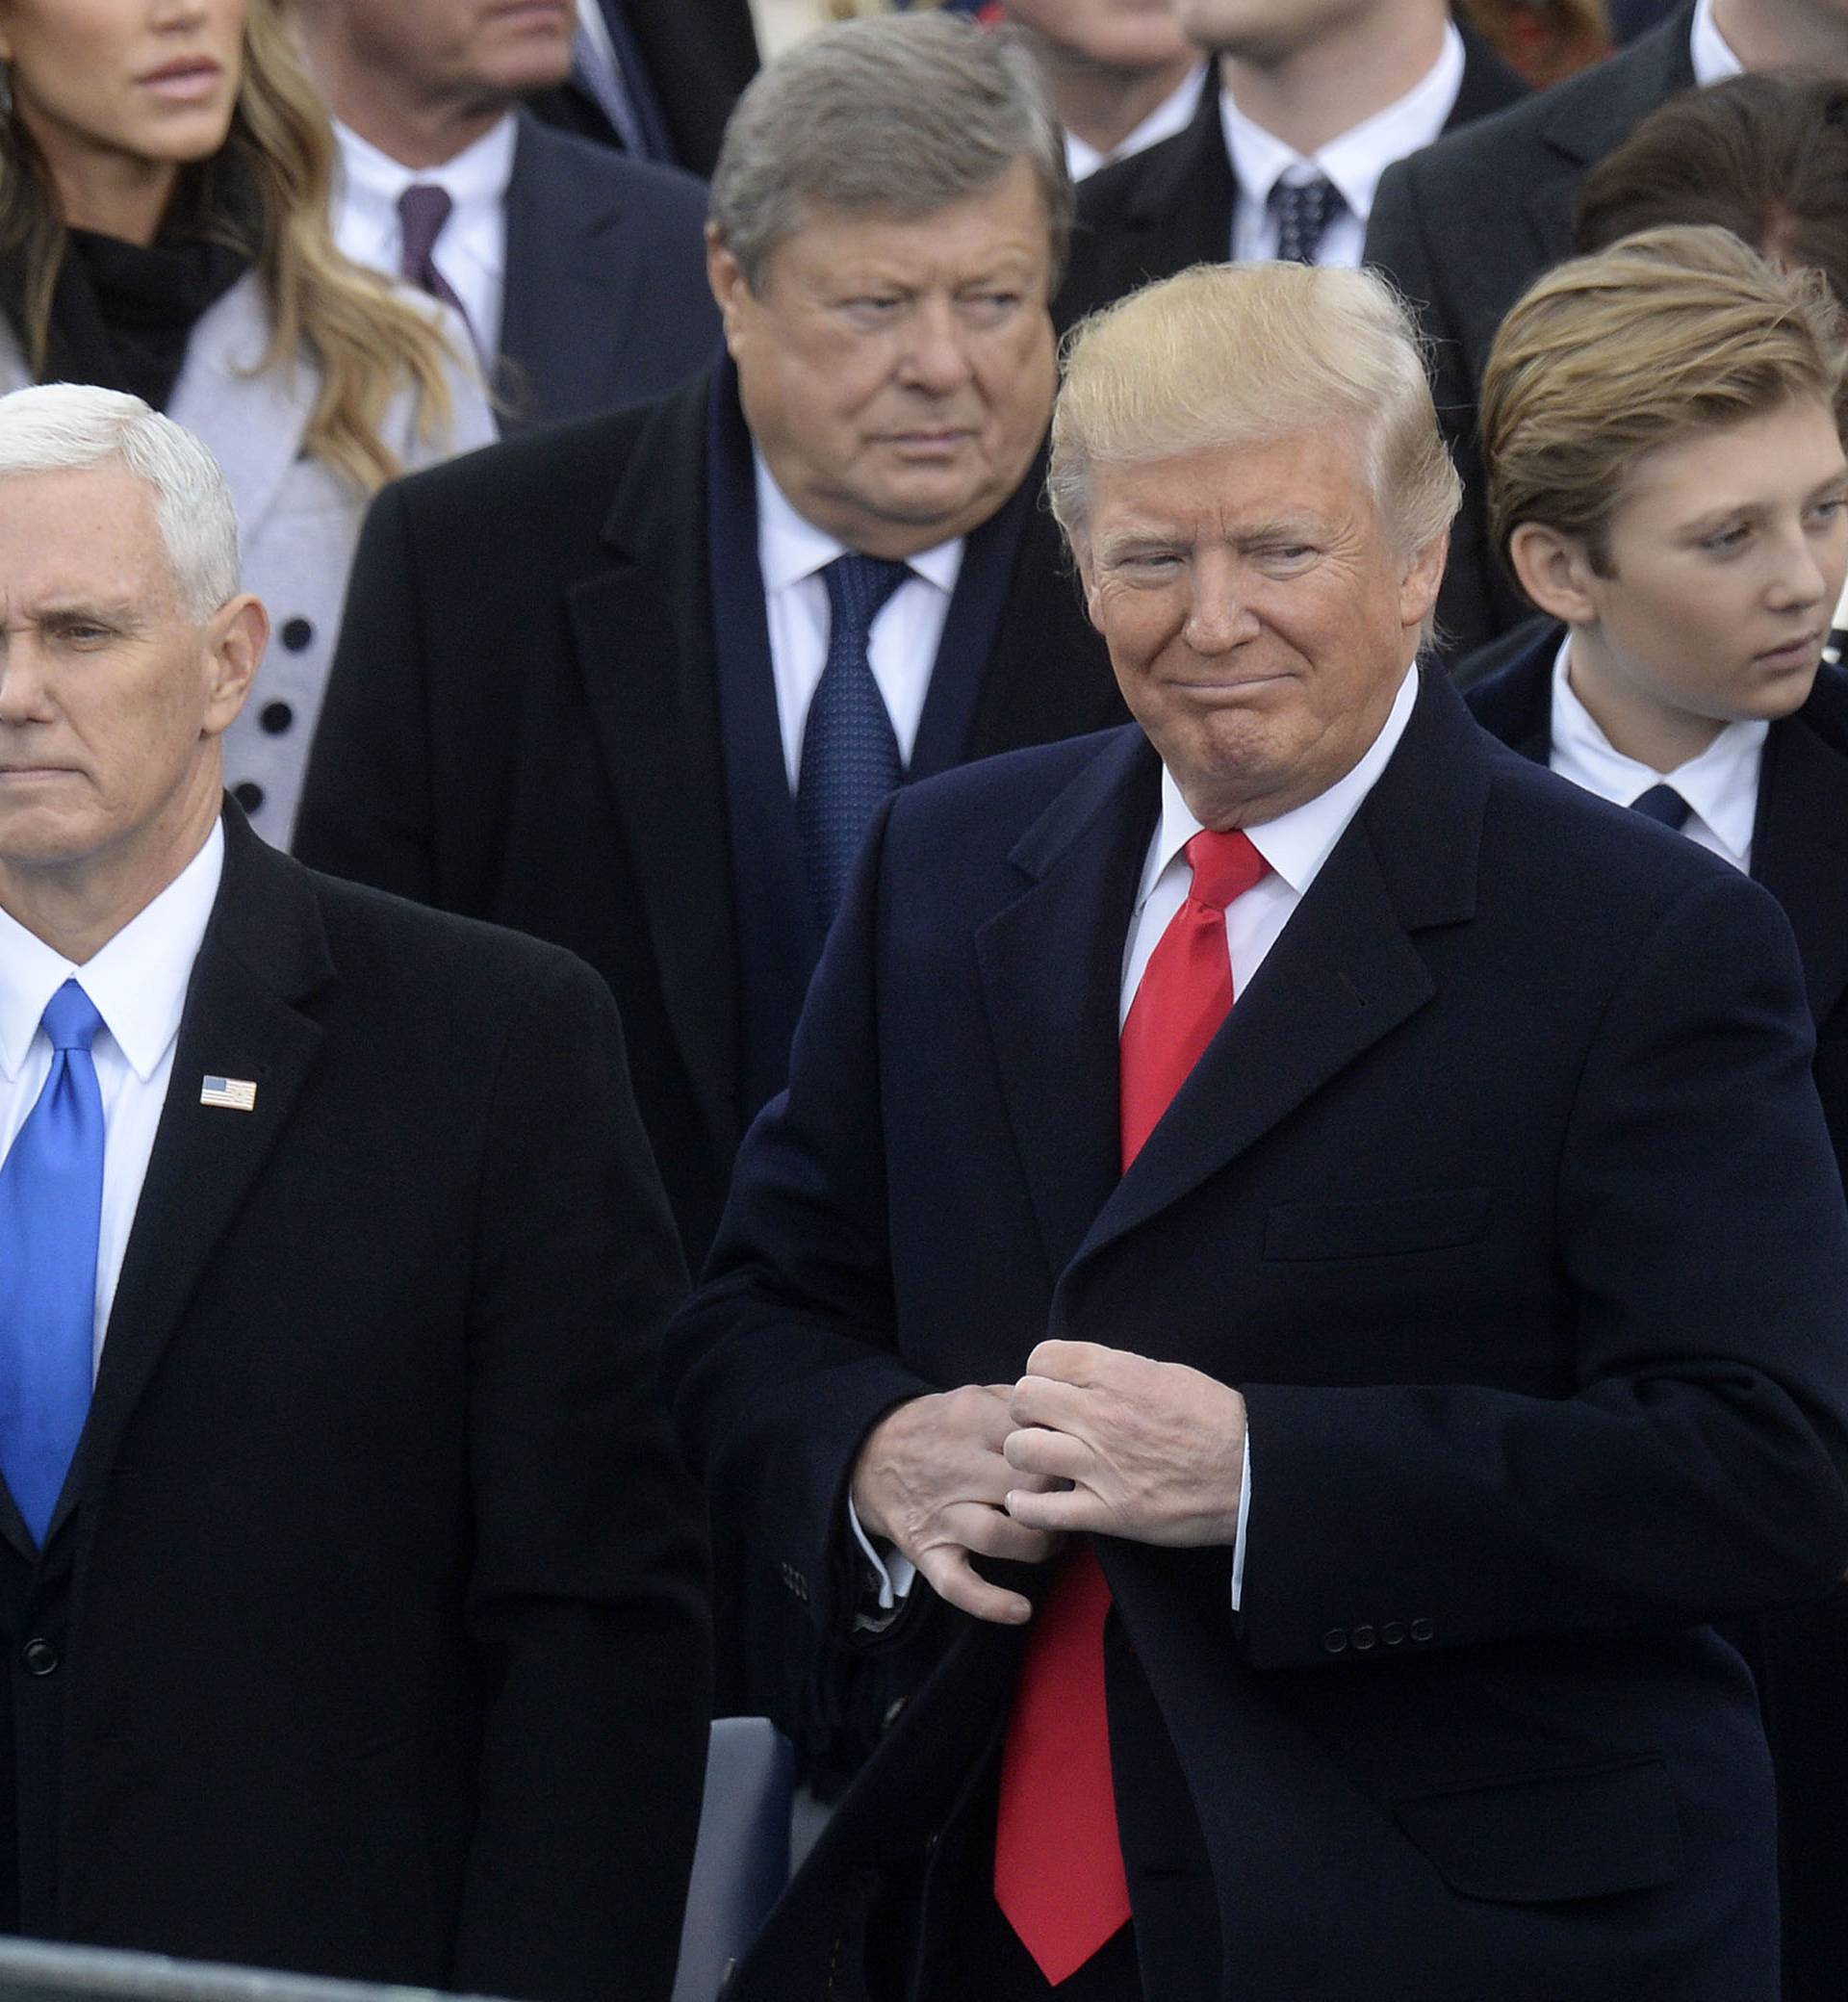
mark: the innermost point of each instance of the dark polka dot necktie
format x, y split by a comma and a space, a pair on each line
1304, 211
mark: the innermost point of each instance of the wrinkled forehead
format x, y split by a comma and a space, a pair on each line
79, 537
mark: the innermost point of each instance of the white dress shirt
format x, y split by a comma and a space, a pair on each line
137, 984
472, 252
1296, 845
1353, 161
1171, 115
901, 648
1713, 58
1721, 785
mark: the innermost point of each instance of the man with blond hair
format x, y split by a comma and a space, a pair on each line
1250, 1251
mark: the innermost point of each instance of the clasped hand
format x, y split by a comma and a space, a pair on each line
1093, 1440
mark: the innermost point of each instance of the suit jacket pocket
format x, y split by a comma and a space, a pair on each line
1306, 1230
1586, 1834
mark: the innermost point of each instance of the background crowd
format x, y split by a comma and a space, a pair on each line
636, 422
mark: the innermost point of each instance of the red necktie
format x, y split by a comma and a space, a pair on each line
1058, 1864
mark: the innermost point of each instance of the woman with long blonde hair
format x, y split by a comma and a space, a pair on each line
164, 173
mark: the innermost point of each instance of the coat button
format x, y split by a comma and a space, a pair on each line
1421, 1629
1364, 1638
40, 1657
298, 634
275, 717
1393, 1632
249, 795
1334, 1641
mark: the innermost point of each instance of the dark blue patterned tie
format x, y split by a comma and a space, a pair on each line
850, 758
1304, 211
1661, 803
51, 1212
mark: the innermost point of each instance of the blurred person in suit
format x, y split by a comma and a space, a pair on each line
637, 685
1314, 103
1303, 1249
657, 82
1667, 478
581, 273
352, 1586
1122, 75
1463, 227
164, 172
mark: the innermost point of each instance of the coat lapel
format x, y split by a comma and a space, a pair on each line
643, 633
571, 297
1800, 852
1344, 974
264, 951
252, 419
1051, 968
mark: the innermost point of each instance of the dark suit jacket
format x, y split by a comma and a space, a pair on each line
1512, 1213
697, 55
1464, 227
368, 1636
1800, 854
606, 299
523, 724
1171, 205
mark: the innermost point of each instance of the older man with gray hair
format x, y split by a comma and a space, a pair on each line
351, 1585
1309, 1251
637, 686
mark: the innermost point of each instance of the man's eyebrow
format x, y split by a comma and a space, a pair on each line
69, 609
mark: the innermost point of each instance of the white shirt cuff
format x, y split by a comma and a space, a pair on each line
1245, 1512
896, 1574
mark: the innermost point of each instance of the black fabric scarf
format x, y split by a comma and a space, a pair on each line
121, 315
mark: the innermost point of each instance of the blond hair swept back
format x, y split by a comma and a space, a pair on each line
368, 343
1240, 354
1610, 356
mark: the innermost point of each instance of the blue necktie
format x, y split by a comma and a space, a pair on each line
1664, 804
850, 758
51, 1213
1304, 211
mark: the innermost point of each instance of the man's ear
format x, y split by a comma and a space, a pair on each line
1554, 570
726, 277
234, 640
1418, 591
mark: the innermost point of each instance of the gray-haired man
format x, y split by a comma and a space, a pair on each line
350, 1584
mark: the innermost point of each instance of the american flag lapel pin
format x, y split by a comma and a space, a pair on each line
238, 1095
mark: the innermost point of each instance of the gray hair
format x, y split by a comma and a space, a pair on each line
68, 427
900, 115
1242, 354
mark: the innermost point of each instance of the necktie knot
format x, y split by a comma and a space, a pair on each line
423, 209
858, 590
1224, 865
70, 1018
1304, 211
1664, 804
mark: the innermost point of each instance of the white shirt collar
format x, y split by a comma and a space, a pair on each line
790, 547
478, 177
1355, 158
1721, 785
1713, 58
1295, 844
137, 982
1173, 115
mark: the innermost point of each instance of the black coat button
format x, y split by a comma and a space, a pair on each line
1334, 1641
1421, 1629
275, 717
249, 795
40, 1657
1393, 1632
298, 634
1364, 1638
